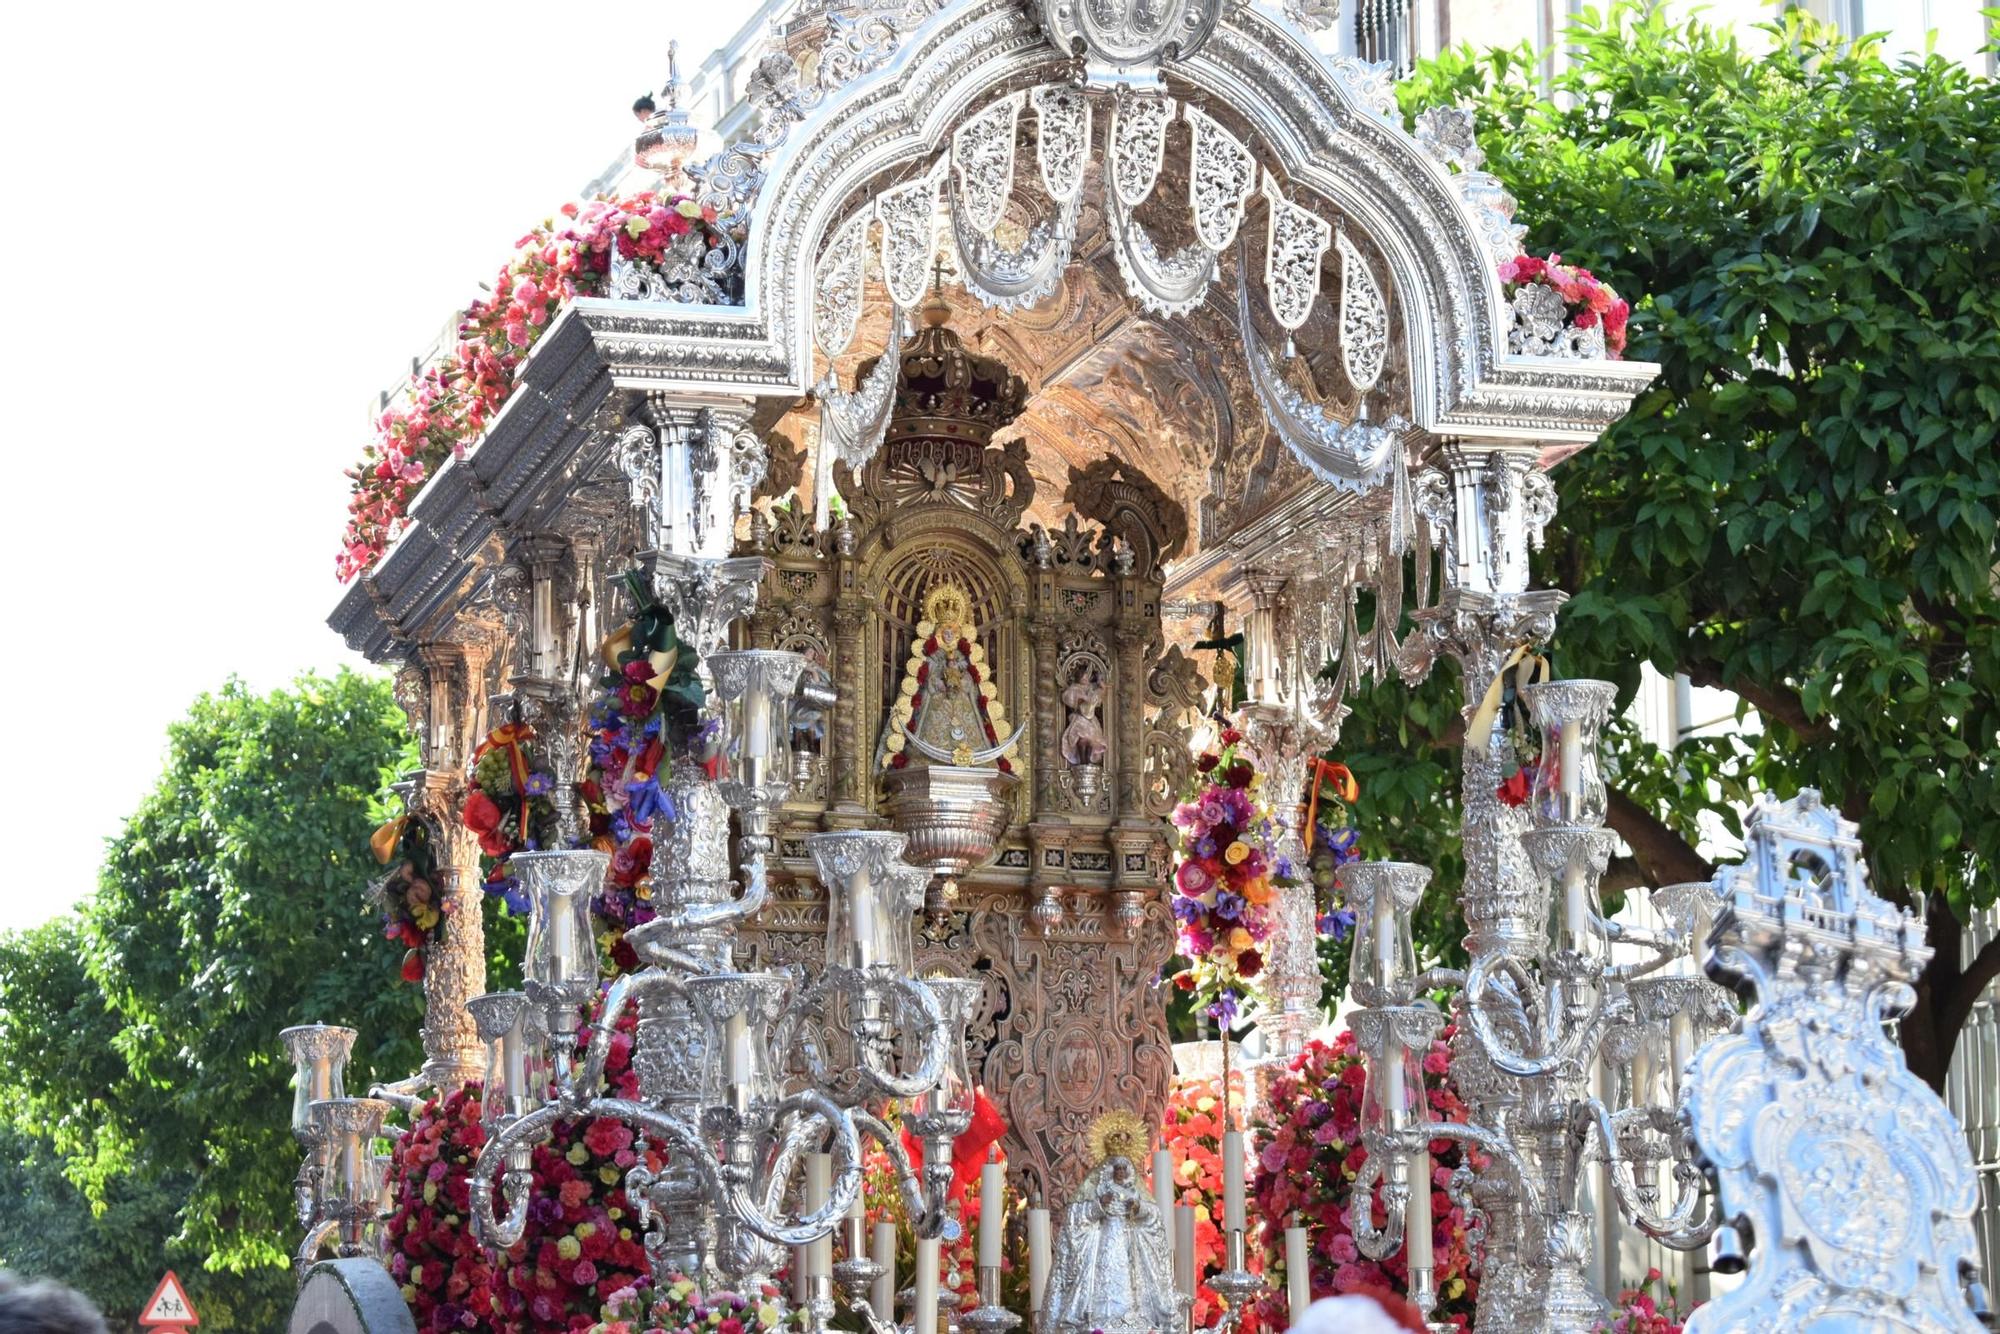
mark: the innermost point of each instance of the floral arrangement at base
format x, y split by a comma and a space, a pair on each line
413, 904
1191, 1130
679, 1307
1650, 1308
1309, 1127
1588, 299
449, 405
1227, 871
582, 1243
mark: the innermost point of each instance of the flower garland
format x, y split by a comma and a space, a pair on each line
1588, 298
1310, 1130
509, 805
648, 707
453, 400
679, 1307
1191, 1129
413, 911
1226, 876
1650, 1308
1332, 841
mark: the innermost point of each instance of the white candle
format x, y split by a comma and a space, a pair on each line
819, 1187
1163, 1185
924, 1318
1232, 1180
1643, 1075
1417, 1217
562, 930
883, 1298
514, 1059
1570, 775
1184, 1248
992, 1205
861, 917
1385, 936
1576, 911
1680, 1036
1038, 1256
1393, 1098
757, 743
736, 1066
1298, 1272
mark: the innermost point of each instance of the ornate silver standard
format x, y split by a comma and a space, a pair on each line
1841, 1173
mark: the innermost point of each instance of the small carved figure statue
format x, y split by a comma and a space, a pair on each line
1083, 739
1113, 1268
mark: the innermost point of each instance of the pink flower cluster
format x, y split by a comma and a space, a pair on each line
451, 403
1650, 1308
1589, 298
582, 1243
1309, 1128
1227, 870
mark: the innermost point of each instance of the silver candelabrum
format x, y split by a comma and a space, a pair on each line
1541, 1001
342, 1186
744, 1077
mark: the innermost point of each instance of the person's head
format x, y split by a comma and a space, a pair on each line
45, 1307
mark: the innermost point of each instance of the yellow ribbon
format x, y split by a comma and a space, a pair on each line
614, 645
1534, 668
383, 841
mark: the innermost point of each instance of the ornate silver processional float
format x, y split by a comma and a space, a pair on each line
783, 999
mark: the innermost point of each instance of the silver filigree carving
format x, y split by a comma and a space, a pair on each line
1004, 279
1222, 173
1062, 120
1296, 243
851, 425
693, 273
1847, 1174
1356, 456
1313, 15
1166, 285
1364, 318
1371, 82
909, 237
841, 276
1538, 325
982, 154
1138, 147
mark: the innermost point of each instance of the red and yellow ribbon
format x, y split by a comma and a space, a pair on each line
1325, 770
511, 738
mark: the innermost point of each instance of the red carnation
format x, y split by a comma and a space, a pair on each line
1249, 964
1185, 981
413, 966
1239, 774
1206, 762
1514, 792
481, 816
1230, 736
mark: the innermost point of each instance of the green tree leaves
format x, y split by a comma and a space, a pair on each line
140, 1039
1803, 509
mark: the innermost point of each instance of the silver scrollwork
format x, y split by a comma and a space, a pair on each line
1296, 243
982, 154
842, 272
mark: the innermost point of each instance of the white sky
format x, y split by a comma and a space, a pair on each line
226, 228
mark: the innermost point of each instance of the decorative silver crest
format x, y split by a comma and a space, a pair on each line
982, 153
1538, 325
1221, 175
1846, 1174
1123, 42
842, 271
1364, 319
909, 237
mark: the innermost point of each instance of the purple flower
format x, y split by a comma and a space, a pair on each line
1187, 909
648, 800
1204, 846
1223, 1010
539, 785
1228, 906
1336, 923
545, 1209
1282, 867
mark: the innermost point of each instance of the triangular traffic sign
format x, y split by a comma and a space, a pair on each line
169, 1306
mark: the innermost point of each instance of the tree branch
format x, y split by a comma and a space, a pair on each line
1775, 702
1954, 1008
1664, 857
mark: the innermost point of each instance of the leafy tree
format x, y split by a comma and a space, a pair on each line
1802, 508
141, 1038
